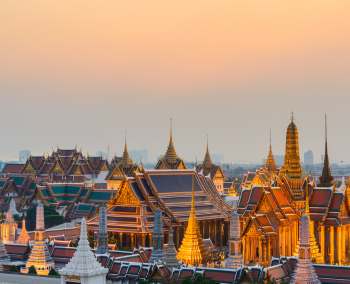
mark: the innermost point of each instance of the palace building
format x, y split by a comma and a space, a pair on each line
272, 202
130, 213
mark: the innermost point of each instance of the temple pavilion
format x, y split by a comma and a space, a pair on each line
273, 200
130, 213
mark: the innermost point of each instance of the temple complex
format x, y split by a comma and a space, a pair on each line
119, 168
193, 251
235, 244
39, 256
130, 212
170, 159
271, 206
4, 258
9, 229
214, 171
83, 267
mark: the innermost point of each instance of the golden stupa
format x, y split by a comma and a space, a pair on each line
192, 250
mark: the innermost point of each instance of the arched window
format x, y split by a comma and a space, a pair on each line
14, 231
5, 233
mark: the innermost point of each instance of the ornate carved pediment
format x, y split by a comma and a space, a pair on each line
125, 196
264, 205
28, 169
79, 171
181, 166
57, 169
105, 167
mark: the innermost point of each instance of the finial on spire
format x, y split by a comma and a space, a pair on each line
207, 143
270, 136
325, 118
171, 129
125, 141
292, 118
192, 202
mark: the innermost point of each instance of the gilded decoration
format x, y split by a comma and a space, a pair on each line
125, 196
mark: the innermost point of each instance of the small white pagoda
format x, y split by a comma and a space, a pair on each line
235, 255
83, 267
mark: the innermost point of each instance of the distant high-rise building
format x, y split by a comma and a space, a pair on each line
136, 155
279, 159
104, 154
309, 158
23, 155
218, 159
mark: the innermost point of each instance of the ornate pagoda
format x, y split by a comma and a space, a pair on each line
270, 164
120, 167
39, 257
215, 172
192, 250
170, 160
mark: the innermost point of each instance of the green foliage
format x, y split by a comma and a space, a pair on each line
14, 268
53, 272
267, 280
142, 282
75, 244
17, 218
91, 240
31, 216
53, 220
32, 270
112, 240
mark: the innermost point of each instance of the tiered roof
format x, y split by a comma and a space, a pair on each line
170, 159
209, 168
132, 208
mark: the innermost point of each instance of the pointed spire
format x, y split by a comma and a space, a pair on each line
170, 252
170, 155
84, 263
326, 179
126, 161
207, 162
292, 118
270, 164
307, 208
23, 237
192, 201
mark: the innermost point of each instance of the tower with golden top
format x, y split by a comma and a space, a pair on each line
192, 250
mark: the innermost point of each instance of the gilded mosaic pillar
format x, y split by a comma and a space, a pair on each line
343, 244
283, 241
132, 238
332, 244
150, 240
323, 242
220, 234
244, 248
339, 244
215, 231
143, 240
121, 239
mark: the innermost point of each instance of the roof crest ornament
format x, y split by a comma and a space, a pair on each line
292, 118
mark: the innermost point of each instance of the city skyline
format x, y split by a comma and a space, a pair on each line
93, 70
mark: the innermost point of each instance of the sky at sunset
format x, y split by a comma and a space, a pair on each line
84, 72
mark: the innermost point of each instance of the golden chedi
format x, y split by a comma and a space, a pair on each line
192, 250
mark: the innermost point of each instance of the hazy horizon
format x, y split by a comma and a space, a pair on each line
82, 73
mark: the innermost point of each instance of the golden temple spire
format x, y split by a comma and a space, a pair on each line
207, 160
170, 155
126, 159
292, 118
326, 179
307, 209
192, 250
270, 164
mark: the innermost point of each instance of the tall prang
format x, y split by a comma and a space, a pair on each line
39, 257
192, 250
9, 229
291, 168
102, 236
235, 260
170, 252
304, 272
84, 266
158, 238
270, 164
326, 179
170, 159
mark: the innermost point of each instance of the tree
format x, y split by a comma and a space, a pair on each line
91, 240
53, 272
14, 268
32, 270
75, 244
17, 218
31, 216
198, 279
53, 220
